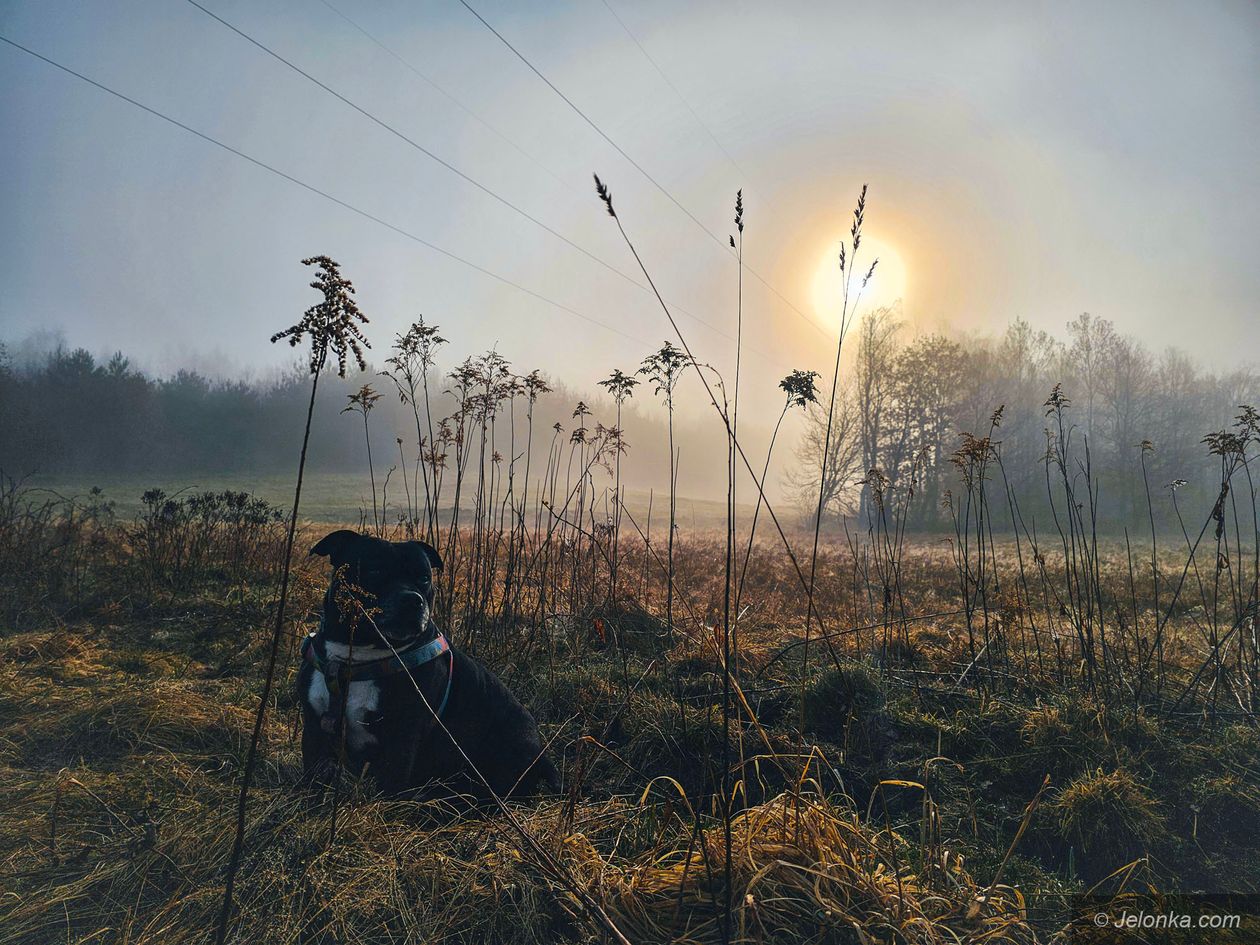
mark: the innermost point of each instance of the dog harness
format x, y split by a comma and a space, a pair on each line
339, 673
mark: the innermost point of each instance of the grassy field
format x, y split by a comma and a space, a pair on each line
339, 498
950, 773
993, 734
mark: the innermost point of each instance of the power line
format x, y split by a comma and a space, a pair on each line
406, 63
449, 96
599, 131
443, 162
636, 165
673, 88
322, 193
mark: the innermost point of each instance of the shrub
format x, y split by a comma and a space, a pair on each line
49, 547
179, 542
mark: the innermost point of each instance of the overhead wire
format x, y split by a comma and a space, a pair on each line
673, 88
427, 152
443, 91
311, 188
639, 167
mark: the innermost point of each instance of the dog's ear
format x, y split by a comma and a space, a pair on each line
333, 542
429, 552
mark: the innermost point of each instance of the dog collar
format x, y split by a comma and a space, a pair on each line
409, 658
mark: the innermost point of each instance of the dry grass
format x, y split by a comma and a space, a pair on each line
117, 788
806, 869
122, 738
1110, 814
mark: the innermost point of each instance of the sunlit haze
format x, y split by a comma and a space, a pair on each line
1023, 161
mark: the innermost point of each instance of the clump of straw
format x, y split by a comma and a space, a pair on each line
800, 863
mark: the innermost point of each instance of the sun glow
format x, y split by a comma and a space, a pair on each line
886, 287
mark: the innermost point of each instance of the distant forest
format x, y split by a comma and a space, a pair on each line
66, 412
905, 401
1134, 422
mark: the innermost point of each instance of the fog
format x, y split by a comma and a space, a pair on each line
1094, 405
1025, 161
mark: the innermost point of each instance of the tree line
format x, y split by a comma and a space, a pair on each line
1137, 420
67, 412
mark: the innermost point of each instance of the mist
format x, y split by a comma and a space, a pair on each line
908, 404
1031, 162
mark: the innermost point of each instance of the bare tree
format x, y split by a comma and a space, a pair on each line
844, 464
928, 384
874, 390
1087, 360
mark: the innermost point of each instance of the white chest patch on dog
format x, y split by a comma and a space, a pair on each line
362, 699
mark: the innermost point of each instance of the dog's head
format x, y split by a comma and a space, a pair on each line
392, 581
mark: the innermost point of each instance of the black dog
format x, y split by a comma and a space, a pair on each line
379, 674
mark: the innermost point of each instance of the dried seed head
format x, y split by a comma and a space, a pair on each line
620, 385
1057, 400
800, 388
859, 213
1248, 421
664, 367
331, 324
415, 349
605, 195
535, 384
870, 272
362, 400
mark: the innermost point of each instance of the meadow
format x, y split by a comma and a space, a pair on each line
984, 732
771, 726
332, 498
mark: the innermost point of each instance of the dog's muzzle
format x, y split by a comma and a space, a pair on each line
406, 609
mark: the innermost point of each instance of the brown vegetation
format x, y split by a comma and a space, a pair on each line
988, 724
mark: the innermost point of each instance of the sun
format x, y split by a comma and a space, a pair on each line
886, 287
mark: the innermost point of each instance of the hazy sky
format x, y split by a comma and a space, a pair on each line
1032, 160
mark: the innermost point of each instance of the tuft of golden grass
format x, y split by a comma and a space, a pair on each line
804, 869
1110, 815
